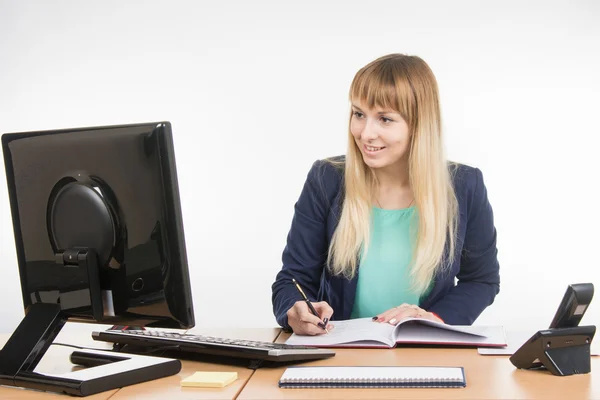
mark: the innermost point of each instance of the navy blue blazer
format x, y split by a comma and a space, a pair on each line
459, 294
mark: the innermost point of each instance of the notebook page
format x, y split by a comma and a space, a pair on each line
353, 374
363, 330
414, 333
469, 330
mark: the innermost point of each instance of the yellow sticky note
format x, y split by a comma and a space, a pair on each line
209, 379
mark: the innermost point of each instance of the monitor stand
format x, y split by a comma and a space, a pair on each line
109, 370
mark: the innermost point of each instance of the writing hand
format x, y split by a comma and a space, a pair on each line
303, 322
397, 314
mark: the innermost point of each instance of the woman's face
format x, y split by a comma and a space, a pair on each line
381, 135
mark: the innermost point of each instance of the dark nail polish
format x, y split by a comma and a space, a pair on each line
375, 318
325, 321
321, 325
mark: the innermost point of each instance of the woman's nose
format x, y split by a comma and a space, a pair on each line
370, 131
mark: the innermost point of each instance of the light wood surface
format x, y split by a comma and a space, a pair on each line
169, 388
488, 377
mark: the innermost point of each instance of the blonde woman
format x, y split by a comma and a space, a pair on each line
391, 230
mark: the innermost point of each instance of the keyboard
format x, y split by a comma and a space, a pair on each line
246, 349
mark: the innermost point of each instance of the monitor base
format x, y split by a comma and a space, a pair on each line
107, 370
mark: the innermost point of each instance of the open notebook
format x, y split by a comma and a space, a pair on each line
372, 377
364, 332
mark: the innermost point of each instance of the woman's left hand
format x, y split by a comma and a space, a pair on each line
397, 314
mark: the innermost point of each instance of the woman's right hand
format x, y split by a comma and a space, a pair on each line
303, 322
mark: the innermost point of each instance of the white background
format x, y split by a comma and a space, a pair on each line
256, 91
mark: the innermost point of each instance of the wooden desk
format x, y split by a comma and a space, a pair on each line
488, 377
169, 387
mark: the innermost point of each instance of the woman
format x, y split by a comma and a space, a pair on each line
385, 231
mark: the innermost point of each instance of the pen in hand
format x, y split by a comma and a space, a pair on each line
309, 304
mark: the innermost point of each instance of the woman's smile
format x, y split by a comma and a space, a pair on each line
373, 149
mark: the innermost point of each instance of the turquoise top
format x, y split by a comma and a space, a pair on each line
383, 275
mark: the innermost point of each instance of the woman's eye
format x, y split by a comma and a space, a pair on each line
386, 120
358, 114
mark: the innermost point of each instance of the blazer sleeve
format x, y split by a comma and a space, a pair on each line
479, 274
305, 253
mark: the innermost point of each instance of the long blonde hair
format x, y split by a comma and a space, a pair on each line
407, 85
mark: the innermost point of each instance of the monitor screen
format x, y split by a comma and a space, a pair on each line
97, 223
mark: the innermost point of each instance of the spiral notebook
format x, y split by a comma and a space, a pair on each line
373, 377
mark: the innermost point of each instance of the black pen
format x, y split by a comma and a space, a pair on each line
309, 304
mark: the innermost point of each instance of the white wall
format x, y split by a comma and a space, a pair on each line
256, 91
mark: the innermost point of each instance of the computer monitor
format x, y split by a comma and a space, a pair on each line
98, 233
